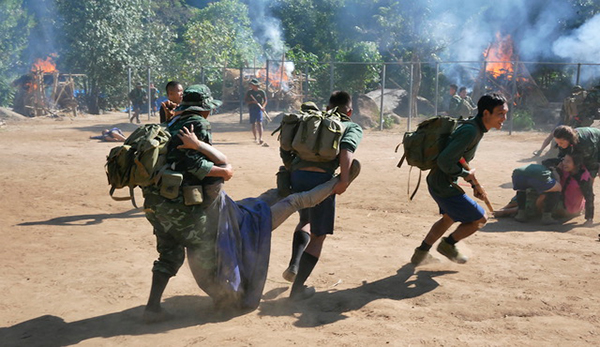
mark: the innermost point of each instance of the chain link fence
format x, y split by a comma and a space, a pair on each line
384, 90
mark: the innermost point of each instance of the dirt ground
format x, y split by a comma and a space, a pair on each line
76, 264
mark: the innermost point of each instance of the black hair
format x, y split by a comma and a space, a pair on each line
454, 86
171, 85
489, 102
462, 89
340, 99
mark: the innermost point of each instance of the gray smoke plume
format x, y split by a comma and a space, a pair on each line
267, 29
582, 45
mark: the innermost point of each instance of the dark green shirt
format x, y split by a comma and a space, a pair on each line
535, 171
443, 179
588, 147
258, 94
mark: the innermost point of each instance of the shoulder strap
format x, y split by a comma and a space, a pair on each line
124, 198
411, 196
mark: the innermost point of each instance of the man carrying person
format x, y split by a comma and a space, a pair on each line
454, 204
227, 242
174, 95
317, 222
257, 101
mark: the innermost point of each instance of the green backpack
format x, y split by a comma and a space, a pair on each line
312, 135
422, 146
139, 161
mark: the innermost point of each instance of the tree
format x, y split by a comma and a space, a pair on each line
15, 24
102, 37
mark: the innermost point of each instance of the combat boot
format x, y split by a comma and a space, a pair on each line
521, 216
547, 219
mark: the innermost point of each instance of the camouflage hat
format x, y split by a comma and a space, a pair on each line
255, 82
576, 88
198, 97
139, 84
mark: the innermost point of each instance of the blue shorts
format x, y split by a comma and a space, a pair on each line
522, 182
256, 115
321, 216
461, 208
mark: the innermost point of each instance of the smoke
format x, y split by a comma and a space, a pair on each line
42, 38
582, 44
267, 29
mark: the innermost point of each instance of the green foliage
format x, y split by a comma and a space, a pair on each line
15, 25
102, 37
522, 120
359, 77
388, 122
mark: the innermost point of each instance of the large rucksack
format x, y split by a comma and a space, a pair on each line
312, 135
422, 146
139, 161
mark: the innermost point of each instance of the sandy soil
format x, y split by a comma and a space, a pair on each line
76, 264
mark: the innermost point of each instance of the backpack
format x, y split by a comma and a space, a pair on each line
422, 146
312, 135
139, 161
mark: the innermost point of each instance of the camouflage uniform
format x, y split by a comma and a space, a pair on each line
455, 104
589, 109
466, 107
177, 225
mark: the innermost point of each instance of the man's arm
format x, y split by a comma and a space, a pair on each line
346, 157
448, 160
190, 141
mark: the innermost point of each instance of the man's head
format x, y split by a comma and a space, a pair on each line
174, 91
198, 97
576, 89
139, 85
254, 84
493, 109
452, 89
342, 100
462, 92
565, 136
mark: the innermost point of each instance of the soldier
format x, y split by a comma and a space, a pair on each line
454, 101
257, 101
317, 222
138, 97
466, 106
454, 205
589, 109
569, 114
174, 95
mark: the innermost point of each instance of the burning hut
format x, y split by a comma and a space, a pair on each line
284, 87
44, 91
502, 72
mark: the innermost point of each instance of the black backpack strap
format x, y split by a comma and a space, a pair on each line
402, 160
411, 196
123, 198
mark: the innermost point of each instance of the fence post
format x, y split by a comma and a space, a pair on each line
129, 91
437, 86
578, 72
202, 75
410, 89
515, 93
382, 94
149, 94
307, 85
242, 94
267, 81
331, 79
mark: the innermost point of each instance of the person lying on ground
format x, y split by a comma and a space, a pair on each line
110, 135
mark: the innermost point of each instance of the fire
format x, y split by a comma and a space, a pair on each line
499, 56
278, 79
46, 65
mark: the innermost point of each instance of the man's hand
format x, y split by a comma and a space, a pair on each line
340, 187
189, 139
227, 172
471, 177
479, 193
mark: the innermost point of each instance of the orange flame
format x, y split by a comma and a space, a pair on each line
499, 56
46, 65
275, 77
